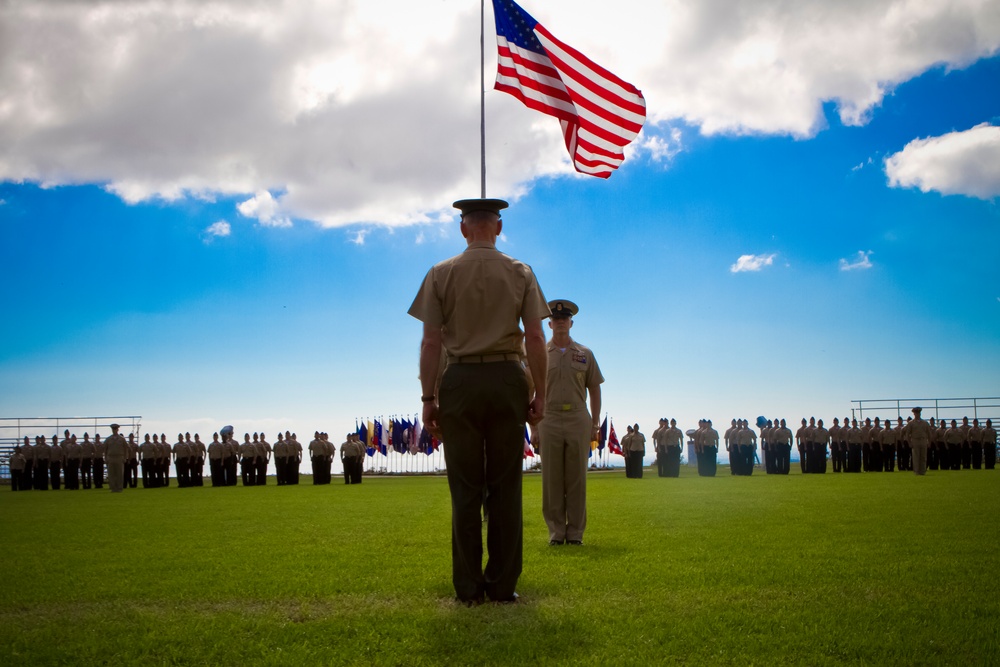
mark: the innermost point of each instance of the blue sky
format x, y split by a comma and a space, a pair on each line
869, 221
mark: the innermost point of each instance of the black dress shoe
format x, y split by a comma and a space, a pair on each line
470, 602
576, 543
555, 543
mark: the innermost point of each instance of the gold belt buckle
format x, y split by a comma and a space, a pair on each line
566, 407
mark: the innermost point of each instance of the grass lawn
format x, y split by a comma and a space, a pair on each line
812, 570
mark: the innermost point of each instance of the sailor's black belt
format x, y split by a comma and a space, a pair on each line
484, 358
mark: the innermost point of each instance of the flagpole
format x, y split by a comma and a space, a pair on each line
482, 95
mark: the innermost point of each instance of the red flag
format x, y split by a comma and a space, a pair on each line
600, 114
613, 444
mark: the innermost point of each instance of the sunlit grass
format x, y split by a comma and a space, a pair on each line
811, 570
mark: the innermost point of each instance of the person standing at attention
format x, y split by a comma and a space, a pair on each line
568, 428
471, 306
115, 451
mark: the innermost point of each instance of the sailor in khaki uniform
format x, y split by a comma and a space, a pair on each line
568, 428
472, 305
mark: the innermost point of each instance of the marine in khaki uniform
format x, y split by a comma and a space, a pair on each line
989, 446
920, 435
147, 456
27, 477
57, 460
889, 439
265, 458
294, 456
281, 460
567, 430
673, 438
472, 305
781, 439
317, 456
248, 461
182, 462
835, 440
17, 463
74, 455
216, 456
198, 452
352, 455
660, 447
115, 451
976, 444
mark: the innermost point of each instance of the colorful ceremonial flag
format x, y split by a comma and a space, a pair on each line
603, 438
370, 443
363, 435
527, 444
377, 438
613, 443
600, 114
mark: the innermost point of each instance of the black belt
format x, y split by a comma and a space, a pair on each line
485, 358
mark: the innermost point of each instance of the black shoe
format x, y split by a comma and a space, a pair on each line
470, 602
575, 543
513, 599
555, 543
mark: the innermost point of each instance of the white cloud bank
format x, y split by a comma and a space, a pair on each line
963, 163
752, 263
861, 261
368, 111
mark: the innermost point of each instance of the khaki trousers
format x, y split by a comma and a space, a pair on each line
565, 444
116, 474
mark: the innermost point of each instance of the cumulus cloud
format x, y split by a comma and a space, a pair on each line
353, 113
957, 163
861, 261
265, 209
216, 229
752, 263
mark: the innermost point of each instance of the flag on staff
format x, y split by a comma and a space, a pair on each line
602, 440
363, 436
426, 442
600, 113
371, 445
613, 443
377, 442
527, 444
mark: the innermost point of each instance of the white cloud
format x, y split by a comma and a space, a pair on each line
220, 228
368, 111
861, 261
752, 263
359, 237
265, 208
661, 149
963, 163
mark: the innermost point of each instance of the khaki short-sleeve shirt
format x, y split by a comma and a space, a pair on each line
572, 372
478, 298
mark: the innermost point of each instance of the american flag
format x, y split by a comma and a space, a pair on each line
600, 114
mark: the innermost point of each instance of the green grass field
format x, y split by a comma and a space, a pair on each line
810, 570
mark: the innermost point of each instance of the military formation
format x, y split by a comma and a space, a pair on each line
849, 446
117, 461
